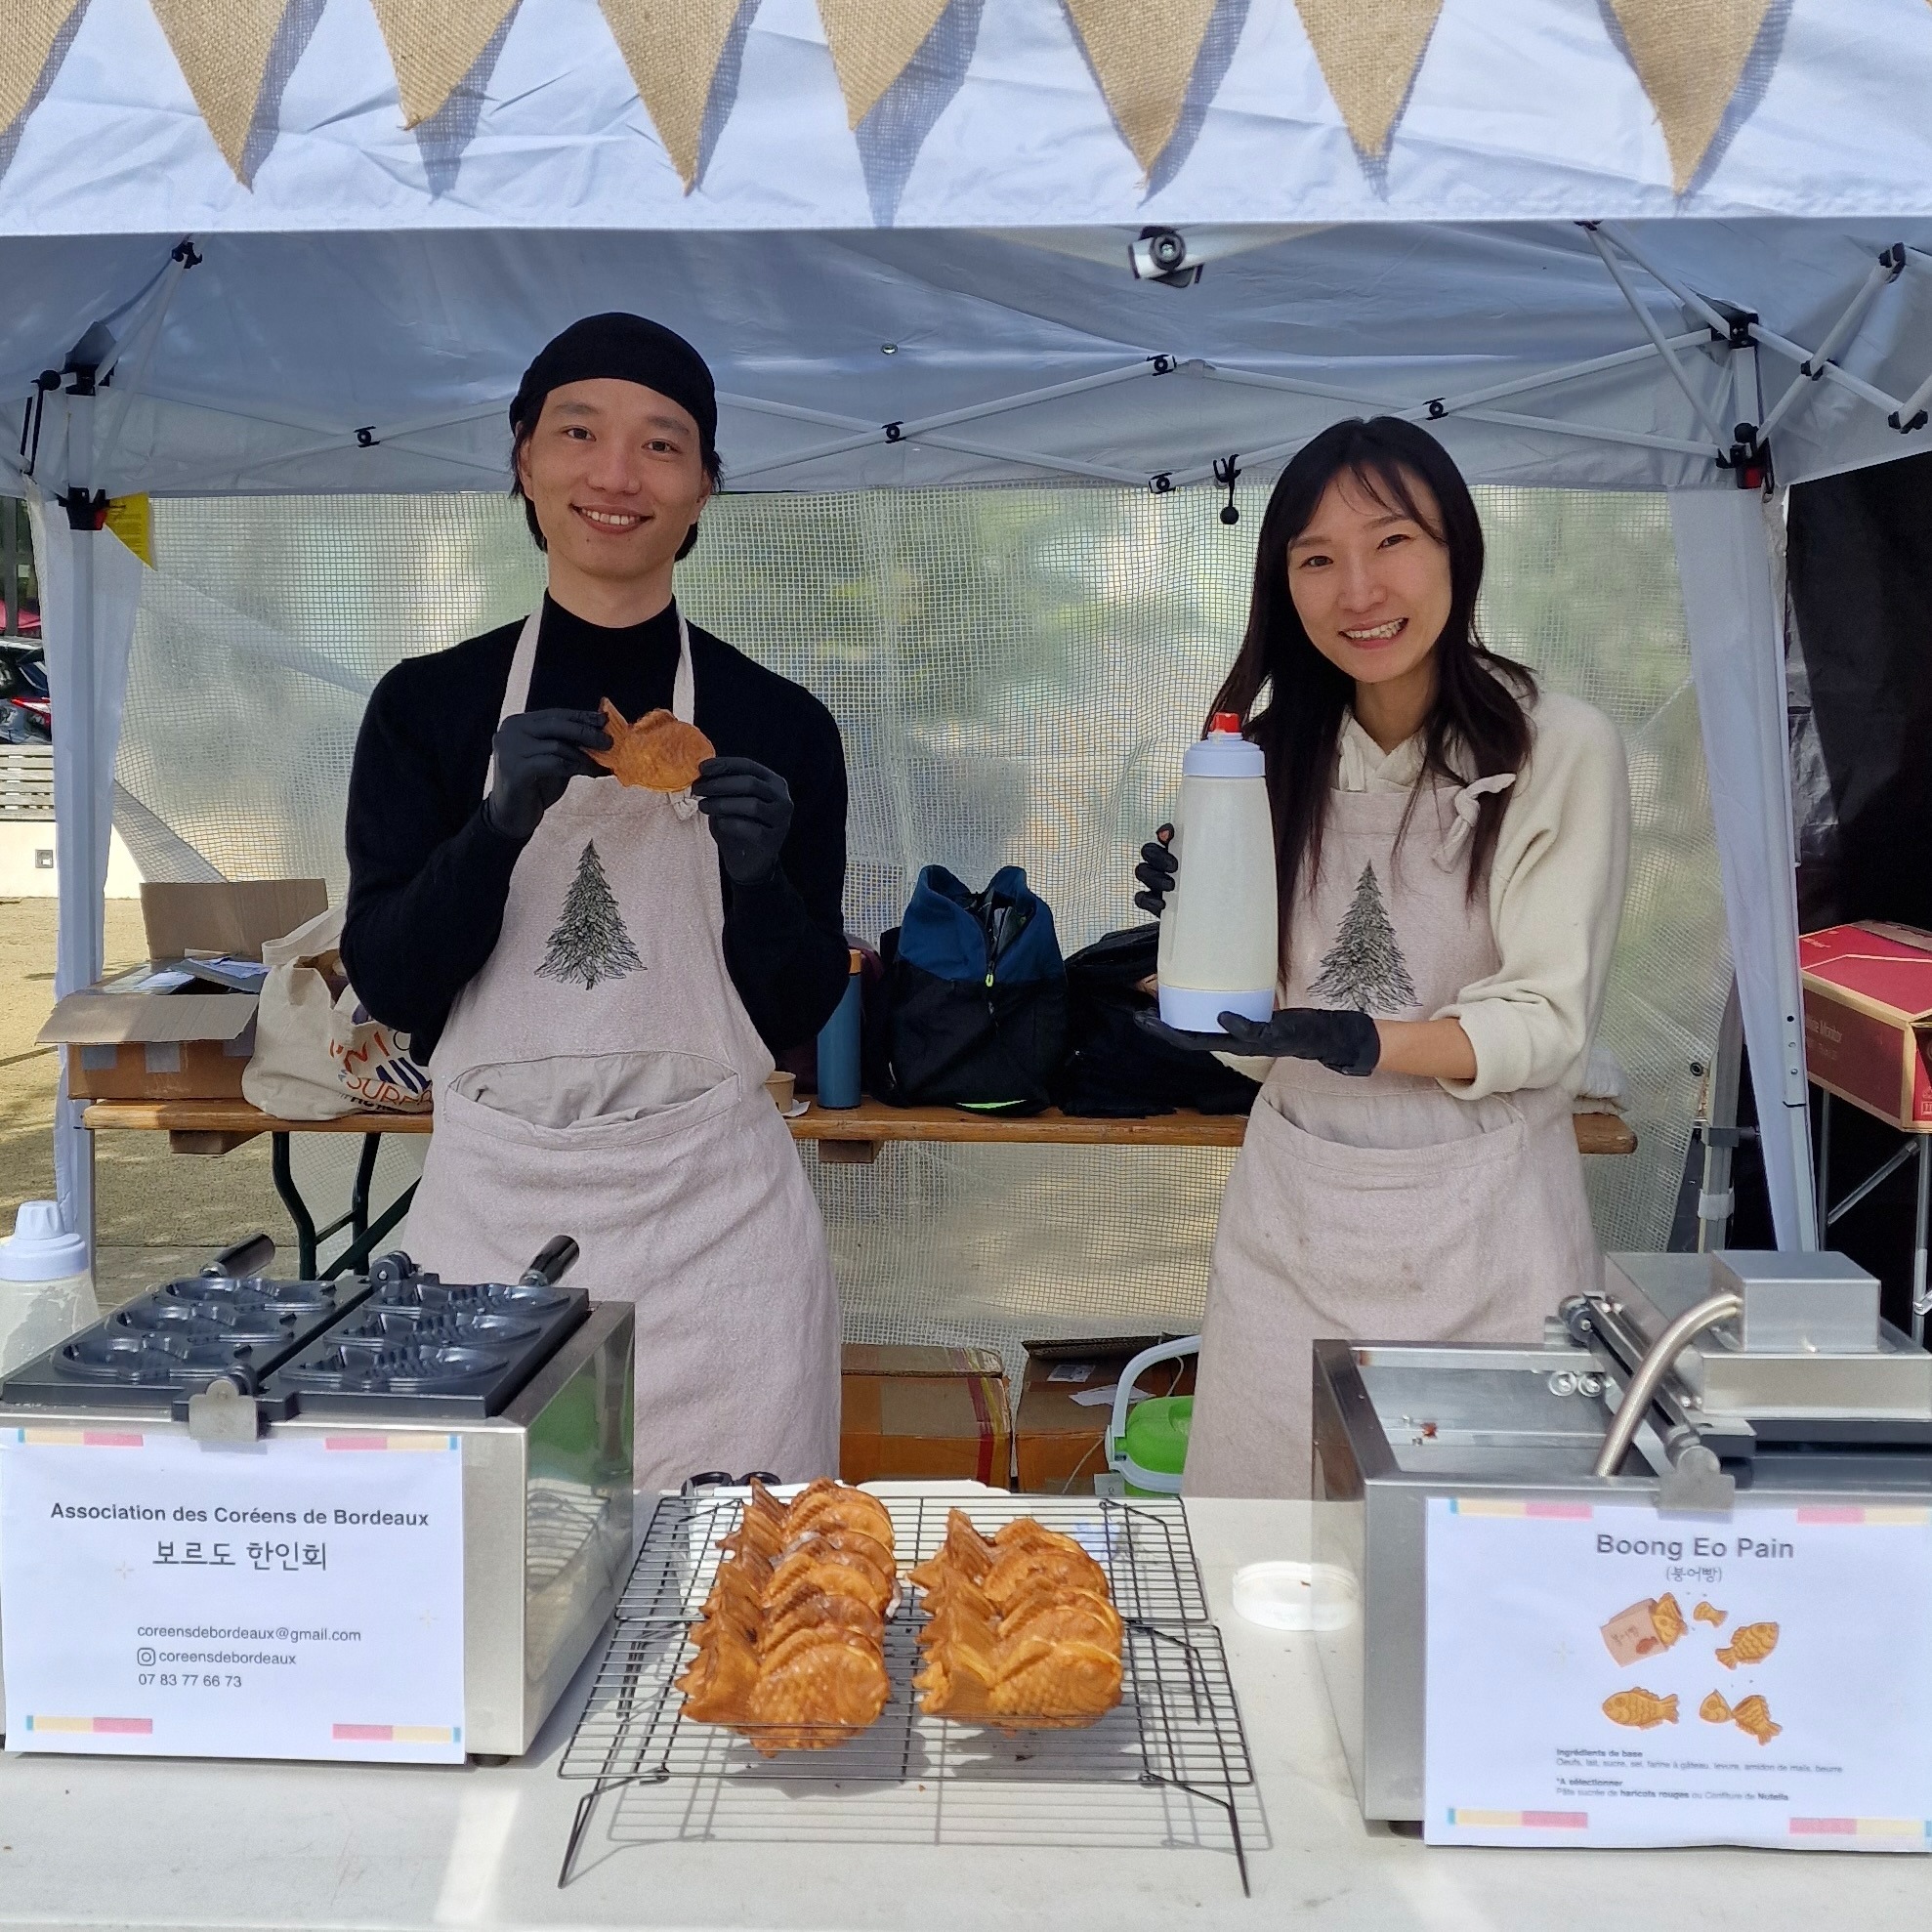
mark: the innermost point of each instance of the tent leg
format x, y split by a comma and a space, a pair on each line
79, 938
1732, 615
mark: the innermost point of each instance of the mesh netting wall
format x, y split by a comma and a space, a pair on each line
1016, 673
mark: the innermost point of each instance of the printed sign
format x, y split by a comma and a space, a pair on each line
1611, 1676
297, 1598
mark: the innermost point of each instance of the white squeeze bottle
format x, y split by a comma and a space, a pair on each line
1220, 939
46, 1289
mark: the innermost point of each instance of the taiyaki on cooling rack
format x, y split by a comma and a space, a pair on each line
1168, 1765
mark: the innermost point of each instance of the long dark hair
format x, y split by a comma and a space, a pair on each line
1477, 719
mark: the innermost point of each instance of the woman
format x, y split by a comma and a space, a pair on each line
1450, 850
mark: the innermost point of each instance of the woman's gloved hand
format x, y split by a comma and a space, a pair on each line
537, 755
1158, 871
749, 807
1345, 1042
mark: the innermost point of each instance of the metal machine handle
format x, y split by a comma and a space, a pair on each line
1642, 1386
551, 1263
249, 1257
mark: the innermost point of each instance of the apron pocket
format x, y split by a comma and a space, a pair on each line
591, 1098
1386, 1242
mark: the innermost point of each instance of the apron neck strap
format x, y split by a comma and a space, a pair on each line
522, 661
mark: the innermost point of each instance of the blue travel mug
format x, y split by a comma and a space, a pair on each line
838, 1046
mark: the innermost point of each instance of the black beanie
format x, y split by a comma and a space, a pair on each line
631, 349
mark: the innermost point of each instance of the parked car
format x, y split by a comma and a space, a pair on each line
27, 711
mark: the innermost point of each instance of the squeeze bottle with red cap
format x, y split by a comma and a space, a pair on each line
1220, 936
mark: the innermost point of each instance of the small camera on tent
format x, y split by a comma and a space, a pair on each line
1162, 255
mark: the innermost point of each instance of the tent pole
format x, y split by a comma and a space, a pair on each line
1734, 618
1649, 324
80, 940
1711, 317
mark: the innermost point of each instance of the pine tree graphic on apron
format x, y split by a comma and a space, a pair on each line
590, 943
1365, 967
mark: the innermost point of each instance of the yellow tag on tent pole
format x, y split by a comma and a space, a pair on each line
132, 520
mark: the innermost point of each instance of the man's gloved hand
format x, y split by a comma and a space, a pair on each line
749, 807
537, 754
1158, 871
1345, 1042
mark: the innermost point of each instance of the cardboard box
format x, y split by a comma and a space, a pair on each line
186, 1045
924, 1411
225, 916
1060, 1443
164, 1032
1867, 1003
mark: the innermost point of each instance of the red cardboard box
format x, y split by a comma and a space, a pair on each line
1868, 1000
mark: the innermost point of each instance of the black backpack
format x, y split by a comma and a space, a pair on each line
1114, 1069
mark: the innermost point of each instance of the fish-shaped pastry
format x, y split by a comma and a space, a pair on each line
1750, 1643
1708, 1612
1667, 1620
1714, 1710
1754, 1715
1640, 1710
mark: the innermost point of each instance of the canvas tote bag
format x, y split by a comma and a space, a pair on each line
318, 1053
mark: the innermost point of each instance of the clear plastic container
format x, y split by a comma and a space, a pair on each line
46, 1287
1220, 936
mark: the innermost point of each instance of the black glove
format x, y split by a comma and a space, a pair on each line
1158, 871
749, 807
1345, 1042
537, 754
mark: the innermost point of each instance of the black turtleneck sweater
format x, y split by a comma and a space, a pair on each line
429, 875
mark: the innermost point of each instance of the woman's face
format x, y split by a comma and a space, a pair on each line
1370, 584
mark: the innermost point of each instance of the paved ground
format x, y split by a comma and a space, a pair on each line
154, 1211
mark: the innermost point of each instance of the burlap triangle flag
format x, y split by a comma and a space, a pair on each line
672, 48
28, 31
871, 43
1369, 50
223, 55
432, 44
1143, 52
1690, 56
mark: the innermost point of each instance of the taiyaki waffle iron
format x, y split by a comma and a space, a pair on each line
531, 1378
429, 1348
230, 1322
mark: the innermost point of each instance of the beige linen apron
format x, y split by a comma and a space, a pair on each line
601, 1079
1382, 1208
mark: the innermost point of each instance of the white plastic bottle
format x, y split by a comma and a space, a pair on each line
46, 1288
1220, 936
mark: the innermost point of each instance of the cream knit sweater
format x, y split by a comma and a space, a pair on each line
1556, 894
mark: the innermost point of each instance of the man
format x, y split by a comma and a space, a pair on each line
598, 974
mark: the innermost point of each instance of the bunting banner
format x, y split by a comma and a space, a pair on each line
223, 55
29, 30
432, 44
672, 48
1690, 56
872, 42
1143, 53
1369, 52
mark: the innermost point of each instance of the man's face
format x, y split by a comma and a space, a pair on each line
616, 475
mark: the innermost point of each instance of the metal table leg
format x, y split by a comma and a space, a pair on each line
1918, 1302
1824, 1164
298, 1208
366, 1173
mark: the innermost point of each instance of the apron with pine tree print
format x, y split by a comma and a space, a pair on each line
1385, 1208
601, 1079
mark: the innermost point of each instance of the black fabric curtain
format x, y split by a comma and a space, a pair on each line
1860, 595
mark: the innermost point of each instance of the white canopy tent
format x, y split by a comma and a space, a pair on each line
308, 245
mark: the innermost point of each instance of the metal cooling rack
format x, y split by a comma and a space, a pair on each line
1169, 1765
